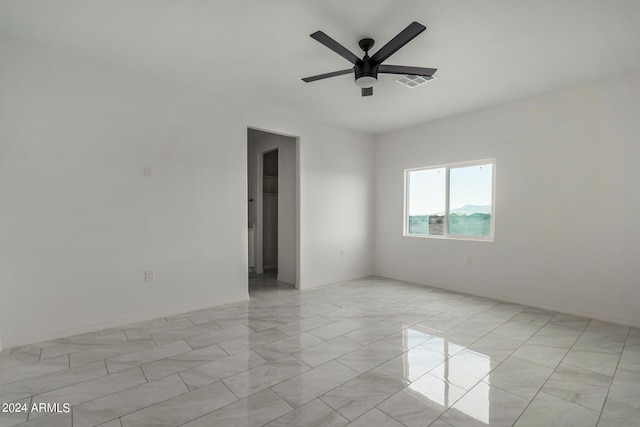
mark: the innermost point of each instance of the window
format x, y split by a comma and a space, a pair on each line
451, 201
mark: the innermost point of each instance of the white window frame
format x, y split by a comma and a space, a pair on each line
446, 235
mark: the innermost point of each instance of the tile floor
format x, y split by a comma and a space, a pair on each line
369, 352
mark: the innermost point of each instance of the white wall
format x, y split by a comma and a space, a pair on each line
80, 223
567, 201
260, 142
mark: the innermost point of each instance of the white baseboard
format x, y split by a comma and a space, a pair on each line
121, 321
523, 301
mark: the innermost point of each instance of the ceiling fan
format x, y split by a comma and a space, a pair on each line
366, 69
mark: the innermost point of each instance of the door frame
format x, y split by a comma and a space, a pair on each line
259, 261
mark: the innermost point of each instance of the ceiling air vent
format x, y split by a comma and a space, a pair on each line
413, 81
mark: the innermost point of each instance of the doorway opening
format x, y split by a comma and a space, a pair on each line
272, 176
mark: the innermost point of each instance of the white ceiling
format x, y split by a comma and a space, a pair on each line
486, 51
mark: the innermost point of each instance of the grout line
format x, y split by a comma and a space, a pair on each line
29, 407
626, 338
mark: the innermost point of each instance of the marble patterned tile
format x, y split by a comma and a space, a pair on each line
556, 334
370, 356
102, 352
505, 310
220, 369
137, 358
497, 347
30, 370
181, 409
343, 313
548, 410
287, 346
411, 336
413, 364
362, 393
307, 311
520, 377
593, 359
336, 329
255, 410
461, 337
570, 321
182, 362
630, 359
377, 331
617, 414
211, 315
143, 324
127, 401
545, 354
422, 402
465, 369
376, 418
322, 353
43, 383
610, 341
443, 322
304, 325
17, 359
586, 388
313, 414
78, 343
536, 316
516, 329
218, 336
257, 379
485, 405
93, 389
481, 325
369, 351
315, 382
145, 331
608, 327
191, 333
443, 345
253, 340
234, 320
271, 321
624, 388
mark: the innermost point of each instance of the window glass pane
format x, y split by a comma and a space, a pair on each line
426, 201
470, 198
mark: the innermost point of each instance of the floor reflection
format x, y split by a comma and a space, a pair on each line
458, 371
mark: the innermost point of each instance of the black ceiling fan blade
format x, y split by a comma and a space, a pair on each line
327, 75
404, 37
411, 71
335, 46
367, 91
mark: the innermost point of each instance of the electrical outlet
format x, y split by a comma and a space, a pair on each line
149, 275
341, 253
147, 171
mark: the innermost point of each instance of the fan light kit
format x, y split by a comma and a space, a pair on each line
366, 70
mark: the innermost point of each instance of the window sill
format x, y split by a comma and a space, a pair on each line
467, 238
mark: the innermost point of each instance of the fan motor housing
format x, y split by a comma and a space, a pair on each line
366, 69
